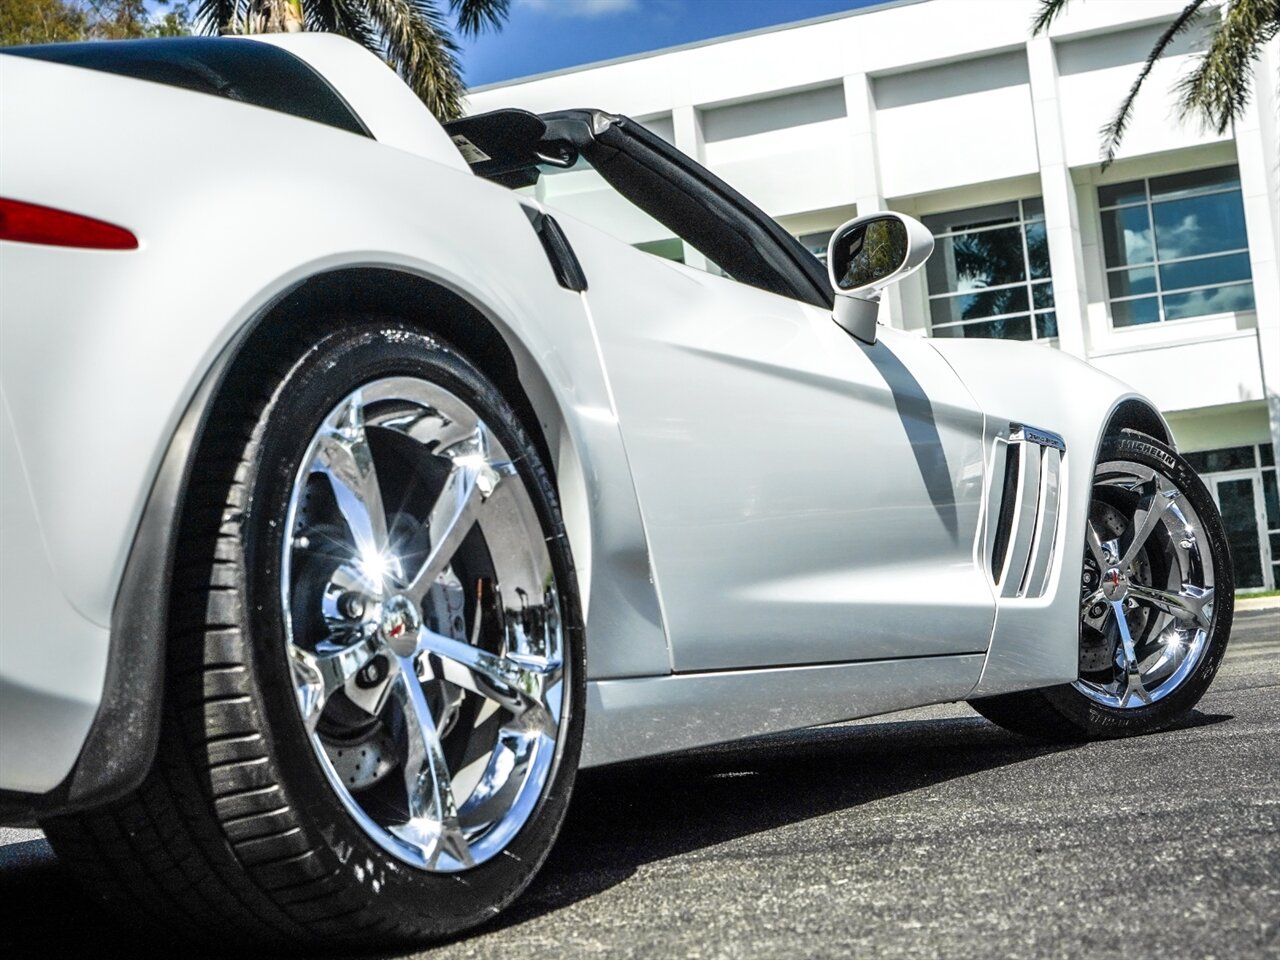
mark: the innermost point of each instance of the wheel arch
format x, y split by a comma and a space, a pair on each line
1132, 413
433, 308
123, 739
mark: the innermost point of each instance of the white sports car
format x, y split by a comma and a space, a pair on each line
353, 499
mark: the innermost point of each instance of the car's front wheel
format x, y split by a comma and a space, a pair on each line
376, 673
1156, 601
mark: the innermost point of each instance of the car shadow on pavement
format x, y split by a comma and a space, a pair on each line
621, 818
630, 815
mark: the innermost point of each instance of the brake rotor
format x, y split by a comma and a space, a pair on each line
362, 762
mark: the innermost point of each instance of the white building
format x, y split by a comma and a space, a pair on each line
1162, 270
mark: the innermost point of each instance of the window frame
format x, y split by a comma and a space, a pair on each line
1156, 262
1028, 282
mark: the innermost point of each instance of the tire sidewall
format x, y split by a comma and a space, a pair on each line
339, 362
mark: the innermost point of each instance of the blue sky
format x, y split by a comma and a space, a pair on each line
543, 35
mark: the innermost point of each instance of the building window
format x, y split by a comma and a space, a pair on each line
816, 243
989, 275
669, 249
1175, 247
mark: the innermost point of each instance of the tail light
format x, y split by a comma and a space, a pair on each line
32, 223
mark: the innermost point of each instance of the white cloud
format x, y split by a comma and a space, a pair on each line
586, 9
1137, 247
1201, 303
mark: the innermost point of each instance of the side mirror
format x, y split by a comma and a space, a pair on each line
865, 256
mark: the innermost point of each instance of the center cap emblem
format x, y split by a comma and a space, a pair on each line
400, 623
1114, 584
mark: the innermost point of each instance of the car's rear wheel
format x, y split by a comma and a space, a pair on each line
376, 671
1156, 602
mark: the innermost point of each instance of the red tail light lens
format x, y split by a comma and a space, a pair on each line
32, 223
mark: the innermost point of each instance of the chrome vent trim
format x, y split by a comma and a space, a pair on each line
1022, 519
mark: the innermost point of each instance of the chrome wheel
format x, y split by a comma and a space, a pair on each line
1147, 588
423, 624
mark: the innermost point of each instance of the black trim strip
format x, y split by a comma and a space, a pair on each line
234, 68
1008, 501
564, 262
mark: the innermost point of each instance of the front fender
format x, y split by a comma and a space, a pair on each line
1035, 642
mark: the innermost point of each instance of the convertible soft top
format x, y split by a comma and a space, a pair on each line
511, 147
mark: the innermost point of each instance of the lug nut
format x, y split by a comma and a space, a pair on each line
1097, 610
371, 673
352, 606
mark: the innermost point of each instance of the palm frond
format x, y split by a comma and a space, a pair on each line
1221, 85
418, 43
475, 15
1048, 12
342, 17
217, 16
1113, 131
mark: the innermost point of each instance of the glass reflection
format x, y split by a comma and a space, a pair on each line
1200, 303
1190, 228
975, 306
1005, 328
1046, 325
869, 252
1200, 273
1128, 283
1126, 236
989, 270
1037, 250
1130, 313
1187, 228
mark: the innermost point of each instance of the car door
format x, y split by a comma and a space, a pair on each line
807, 498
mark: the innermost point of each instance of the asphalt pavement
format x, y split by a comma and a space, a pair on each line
929, 833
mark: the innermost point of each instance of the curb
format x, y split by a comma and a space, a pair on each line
1257, 603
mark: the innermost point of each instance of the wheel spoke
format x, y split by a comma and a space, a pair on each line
1095, 546
433, 811
316, 675
1133, 688
514, 683
1151, 507
345, 458
470, 483
1188, 603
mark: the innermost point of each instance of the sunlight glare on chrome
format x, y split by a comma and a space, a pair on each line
375, 566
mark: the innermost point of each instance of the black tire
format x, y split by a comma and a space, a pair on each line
1063, 713
236, 833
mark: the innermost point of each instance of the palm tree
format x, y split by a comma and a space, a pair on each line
414, 36
1220, 86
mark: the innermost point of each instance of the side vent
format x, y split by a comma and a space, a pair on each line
1022, 525
564, 262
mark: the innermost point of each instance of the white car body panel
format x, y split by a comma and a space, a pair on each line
388, 108
648, 715
798, 486
822, 558
52, 660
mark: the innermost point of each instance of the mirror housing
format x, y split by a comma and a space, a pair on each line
865, 256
